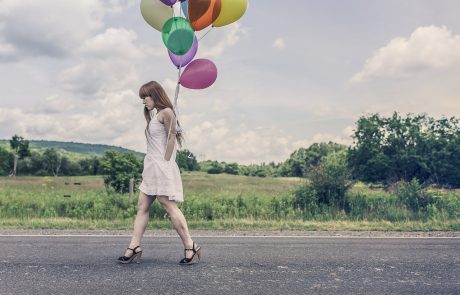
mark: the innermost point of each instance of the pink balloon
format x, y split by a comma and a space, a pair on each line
199, 74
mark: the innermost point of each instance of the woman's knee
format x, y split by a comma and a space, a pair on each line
143, 204
168, 205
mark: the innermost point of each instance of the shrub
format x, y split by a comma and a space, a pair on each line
6, 161
119, 169
231, 168
215, 170
413, 195
260, 173
331, 179
306, 199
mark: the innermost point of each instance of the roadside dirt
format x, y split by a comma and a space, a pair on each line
203, 233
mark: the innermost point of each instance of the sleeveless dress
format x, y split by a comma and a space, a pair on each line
160, 177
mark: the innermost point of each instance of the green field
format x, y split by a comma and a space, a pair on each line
211, 202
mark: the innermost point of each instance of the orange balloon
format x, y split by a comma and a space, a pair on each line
202, 13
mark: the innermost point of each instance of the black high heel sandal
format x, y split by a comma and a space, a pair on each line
125, 259
196, 257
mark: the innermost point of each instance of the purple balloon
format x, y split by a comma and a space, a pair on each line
199, 74
169, 2
183, 60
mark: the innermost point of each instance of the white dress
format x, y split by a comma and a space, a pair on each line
160, 177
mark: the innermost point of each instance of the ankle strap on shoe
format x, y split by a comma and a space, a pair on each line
193, 248
134, 250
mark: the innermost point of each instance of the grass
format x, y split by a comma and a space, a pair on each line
217, 202
231, 224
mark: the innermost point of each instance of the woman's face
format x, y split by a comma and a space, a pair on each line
148, 102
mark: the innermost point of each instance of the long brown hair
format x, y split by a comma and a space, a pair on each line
161, 100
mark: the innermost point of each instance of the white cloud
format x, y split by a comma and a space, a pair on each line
108, 62
343, 138
220, 105
113, 43
54, 105
115, 118
426, 49
29, 28
118, 6
279, 43
225, 142
6, 50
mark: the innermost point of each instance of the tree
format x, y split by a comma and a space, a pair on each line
186, 160
90, 166
402, 148
216, 168
6, 161
443, 144
119, 169
304, 159
20, 148
69, 167
296, 163
231, 168
367, 158
34, 164
331, 179
52, 161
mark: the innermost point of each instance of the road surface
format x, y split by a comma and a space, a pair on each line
85, 264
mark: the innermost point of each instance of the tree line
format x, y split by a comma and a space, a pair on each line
45, 162
384, 150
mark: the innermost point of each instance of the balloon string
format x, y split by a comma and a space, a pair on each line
206, 33
177, 86
176, 109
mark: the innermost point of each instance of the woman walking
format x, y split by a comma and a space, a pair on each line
161, 178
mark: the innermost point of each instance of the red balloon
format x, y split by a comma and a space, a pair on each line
202, 13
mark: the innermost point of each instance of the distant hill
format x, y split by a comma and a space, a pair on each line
74, 147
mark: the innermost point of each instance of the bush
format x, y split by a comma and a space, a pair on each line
260, 173
413, 195
231, 168
216, 168
6, 161
119, 169
186, 160
306, 199
331, 179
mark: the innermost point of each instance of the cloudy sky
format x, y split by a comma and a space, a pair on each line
289, 75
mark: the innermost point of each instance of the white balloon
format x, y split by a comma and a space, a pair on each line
155, 13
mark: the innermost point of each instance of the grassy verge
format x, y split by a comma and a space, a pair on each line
236, 224
213, 202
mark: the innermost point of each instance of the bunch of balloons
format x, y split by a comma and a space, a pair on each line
178, 33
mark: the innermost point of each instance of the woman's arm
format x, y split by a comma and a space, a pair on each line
169, 121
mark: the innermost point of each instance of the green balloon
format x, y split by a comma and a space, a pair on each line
178, 35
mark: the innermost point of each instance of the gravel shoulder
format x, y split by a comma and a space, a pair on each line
207, 233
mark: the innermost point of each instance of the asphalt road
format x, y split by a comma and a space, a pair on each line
231, 265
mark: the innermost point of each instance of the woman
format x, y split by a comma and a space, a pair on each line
161, 177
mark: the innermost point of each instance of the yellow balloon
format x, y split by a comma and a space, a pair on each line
231, 11
155, 13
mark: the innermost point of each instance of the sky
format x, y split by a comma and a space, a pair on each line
288, 75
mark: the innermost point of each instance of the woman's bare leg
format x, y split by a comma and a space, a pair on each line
178, 221
142, 219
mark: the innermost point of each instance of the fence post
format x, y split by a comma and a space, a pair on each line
131, 190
